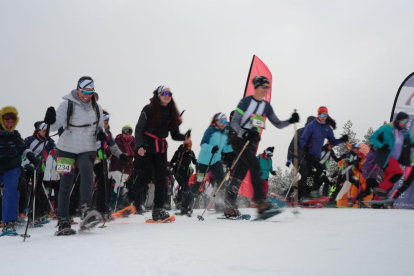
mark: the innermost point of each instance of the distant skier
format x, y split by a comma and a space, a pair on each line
266, 168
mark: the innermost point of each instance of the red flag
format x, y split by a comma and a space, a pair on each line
257, 68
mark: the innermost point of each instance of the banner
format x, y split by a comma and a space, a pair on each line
404, 102
257, 68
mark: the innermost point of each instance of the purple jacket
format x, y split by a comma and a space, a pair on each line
369, 165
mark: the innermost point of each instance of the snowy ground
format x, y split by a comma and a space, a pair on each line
330, 242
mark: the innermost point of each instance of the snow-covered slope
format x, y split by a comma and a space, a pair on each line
318, 242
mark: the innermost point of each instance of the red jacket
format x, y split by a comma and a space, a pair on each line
116, 164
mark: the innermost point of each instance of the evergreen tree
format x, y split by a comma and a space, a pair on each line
367, 136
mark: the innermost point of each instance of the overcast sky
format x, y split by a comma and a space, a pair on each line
350, 56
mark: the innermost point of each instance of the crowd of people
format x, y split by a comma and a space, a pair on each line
91, 169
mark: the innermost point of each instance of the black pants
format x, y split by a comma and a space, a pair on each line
23, 193
216, 169
248, 161
75, 195
311, 162
148, 165
182, 178
103, 191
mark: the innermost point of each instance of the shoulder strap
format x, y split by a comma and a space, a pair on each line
69, 114
98, 117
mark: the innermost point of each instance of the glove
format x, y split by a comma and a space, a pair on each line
288, 163
385, 148
124, 158
273, 172
344, 138
251, 135
214, 149
294, 118
50, 117
101, 136
32, 158
305, 149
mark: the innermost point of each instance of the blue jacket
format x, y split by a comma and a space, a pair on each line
385, 136
265, 167
213, 137
314, 136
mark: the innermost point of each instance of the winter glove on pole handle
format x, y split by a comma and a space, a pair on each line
294, 118
50, 117
224, 180
124, 158
214, 149
344, 138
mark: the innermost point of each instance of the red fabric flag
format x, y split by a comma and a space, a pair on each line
257, 68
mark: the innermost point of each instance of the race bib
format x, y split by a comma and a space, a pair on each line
65, 165
200, 177
258, 122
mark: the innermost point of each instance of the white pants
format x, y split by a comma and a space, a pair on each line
116, 175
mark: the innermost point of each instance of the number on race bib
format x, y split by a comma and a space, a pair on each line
65, 165
200, 177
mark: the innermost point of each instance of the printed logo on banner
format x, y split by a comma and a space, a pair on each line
409, 99
405, 102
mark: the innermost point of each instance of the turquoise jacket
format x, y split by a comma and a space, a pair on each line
265, 167
385, 136
213, 137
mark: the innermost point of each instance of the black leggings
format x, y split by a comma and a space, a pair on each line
148, 165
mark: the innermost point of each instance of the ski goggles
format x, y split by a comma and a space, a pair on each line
9, 117
405, 121
86, 92
224, 122
127, 131
166, 93
265, 87
324, 115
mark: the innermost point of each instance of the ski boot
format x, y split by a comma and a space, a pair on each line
159, 214
8, 229
65, 229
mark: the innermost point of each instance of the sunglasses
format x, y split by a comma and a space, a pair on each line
9, 117
166, 93
86, 92
265, 87
324, 115
405, 121
127, 131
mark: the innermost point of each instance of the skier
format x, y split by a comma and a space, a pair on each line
214, 142
12, 147
157, 119
393, 143
80, 118
246, 124
181, 161
121, 170
266, 167
312, 141
35, 144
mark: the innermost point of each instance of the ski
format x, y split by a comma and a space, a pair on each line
241, 217
65, 232
90, 221
124, 213
169, 219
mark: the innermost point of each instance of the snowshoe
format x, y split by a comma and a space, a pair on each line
124, 213
383, 201
322, 199
240, 217
169, 219
160, 214
270, 211
232, 213
312, 206
65, 229
90, 220
8, 229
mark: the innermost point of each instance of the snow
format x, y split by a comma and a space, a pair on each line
316, 242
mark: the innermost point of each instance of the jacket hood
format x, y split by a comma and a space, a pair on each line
310, 119
73, 96
9, 109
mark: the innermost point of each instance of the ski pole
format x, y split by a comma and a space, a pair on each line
294, 177
104, 168
119, 189
48, 199
34, 183
224, 180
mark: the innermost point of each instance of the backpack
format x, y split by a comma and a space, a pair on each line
69, 119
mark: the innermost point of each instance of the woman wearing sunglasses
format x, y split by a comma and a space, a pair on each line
12, 148
247, 123
159, 118
213, 144
80, 118
311, 142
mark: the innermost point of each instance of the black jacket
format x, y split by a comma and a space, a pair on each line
12, 147
299, 133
